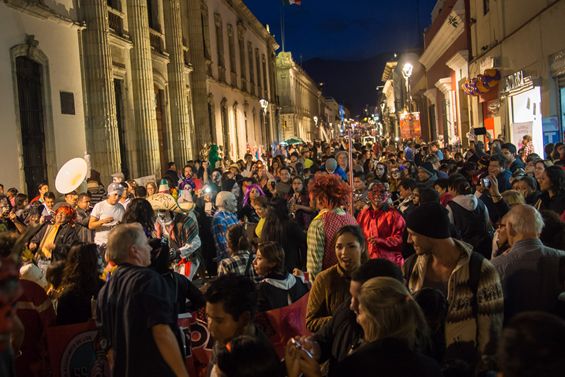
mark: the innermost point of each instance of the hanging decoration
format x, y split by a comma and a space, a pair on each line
482, 84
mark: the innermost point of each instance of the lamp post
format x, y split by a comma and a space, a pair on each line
264, 105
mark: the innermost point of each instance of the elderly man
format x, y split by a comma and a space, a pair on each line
529, 270
137, 311
225, 217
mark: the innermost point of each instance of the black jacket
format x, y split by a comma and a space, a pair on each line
340, 336
278, 291
387, 358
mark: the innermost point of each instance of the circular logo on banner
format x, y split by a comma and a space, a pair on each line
79, 355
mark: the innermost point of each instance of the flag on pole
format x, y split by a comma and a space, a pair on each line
293, 2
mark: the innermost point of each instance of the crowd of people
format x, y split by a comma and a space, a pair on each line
417, 259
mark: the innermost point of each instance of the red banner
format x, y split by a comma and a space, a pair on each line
280, 325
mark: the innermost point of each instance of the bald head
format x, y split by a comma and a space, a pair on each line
226, 200
523, 222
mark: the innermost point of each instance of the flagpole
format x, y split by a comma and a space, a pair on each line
282, 25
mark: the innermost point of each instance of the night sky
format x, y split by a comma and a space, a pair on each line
346, 29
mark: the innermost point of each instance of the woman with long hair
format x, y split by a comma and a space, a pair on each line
394, 331
80, 285
299, 203
381, 172
552, 186
281, 229
331, 287
247, 212
140, 211
277, 287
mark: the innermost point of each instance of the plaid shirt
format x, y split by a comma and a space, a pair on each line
237, 264
221, 222
320, 240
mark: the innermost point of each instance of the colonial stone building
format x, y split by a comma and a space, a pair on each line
42, 115
233, 80
137, 85
302, 103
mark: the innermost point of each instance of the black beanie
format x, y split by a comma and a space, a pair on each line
430, 220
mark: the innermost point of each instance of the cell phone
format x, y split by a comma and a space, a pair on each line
299, 346
486, 182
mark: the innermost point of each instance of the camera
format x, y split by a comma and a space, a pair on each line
486, 182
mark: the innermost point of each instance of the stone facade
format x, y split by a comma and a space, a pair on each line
137, 82
233, 58
300, 98
41, 89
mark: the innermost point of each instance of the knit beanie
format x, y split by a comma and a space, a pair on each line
429, 220
428, 168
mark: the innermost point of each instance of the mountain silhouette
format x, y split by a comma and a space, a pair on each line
352, 83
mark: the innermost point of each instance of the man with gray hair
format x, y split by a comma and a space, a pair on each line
136, 310
529, 271
224, 218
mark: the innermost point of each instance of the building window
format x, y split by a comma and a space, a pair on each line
251, 68
258, 67
231, 47
265, 84
242, 65
153, 14
116, 4
486, 6
220, 47
205, 31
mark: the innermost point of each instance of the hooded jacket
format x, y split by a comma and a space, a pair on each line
277, 291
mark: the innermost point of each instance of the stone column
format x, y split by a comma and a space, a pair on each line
148, 161
182, 140
101, 122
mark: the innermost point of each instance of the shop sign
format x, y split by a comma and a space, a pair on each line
550, 127
516, 80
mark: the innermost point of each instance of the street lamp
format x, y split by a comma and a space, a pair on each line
315, 120
264, 105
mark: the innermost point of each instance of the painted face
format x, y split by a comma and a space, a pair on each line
348, 252
380, 170
223, 327
254, 193
261, 265
378, 194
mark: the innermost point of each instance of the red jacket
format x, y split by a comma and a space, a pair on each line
383, 230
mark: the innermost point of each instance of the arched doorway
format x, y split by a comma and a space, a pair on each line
32, 122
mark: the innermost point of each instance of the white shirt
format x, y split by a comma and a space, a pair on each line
104, 210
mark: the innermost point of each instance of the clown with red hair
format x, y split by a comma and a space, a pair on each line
329, 194
382, 225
